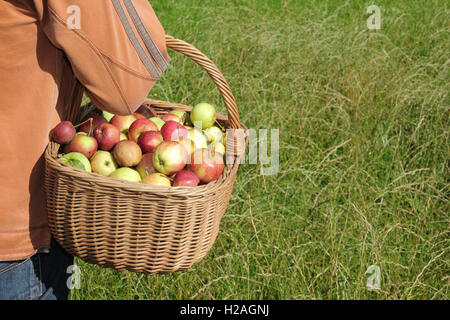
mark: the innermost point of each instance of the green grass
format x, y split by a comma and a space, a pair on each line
364, 151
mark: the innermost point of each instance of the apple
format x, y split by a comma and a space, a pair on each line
214, 134
145, 167
63, 133
186, 178
123, 122
66, 148
84, 144
207, 165
127, 153
89, 127
198, 137
126, 173
77, 160
123, 136
107, 136
180, 113
103, 162
172, 130
107, 115
158, 121
148, 141
217, 147
171, 117
139, 126
157, 179
170, 157
203, 115
188, 144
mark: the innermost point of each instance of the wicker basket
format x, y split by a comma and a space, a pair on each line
137, 227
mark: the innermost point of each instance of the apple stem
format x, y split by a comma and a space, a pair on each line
80, 124
90, 127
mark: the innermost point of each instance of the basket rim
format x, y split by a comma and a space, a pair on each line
114, 183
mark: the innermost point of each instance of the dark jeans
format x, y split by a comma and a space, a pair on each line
43, 276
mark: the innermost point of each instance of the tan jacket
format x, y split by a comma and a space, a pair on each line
117, 50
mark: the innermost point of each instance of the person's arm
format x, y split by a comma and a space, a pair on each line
116, 48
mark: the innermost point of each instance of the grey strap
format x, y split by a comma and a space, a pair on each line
147, 39
148, 63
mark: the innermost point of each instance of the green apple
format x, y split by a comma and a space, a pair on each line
77, 160
158, 121
203, 115
126, 173
217, 147
103, 162
107, 115
198, 137
214, 134
157, 179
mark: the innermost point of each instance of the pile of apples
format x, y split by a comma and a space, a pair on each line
174, 149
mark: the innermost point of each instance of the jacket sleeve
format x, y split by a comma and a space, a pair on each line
116, 48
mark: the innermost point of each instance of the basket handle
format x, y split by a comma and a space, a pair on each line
198, 57
217, 77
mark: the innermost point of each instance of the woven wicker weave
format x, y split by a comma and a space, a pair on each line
133, 226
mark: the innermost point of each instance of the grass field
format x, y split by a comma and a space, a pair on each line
363, 119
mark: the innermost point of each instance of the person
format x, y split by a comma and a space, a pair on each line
116, 49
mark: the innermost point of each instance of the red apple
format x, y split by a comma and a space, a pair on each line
186, 178
83, 144
171, 117
145, 167
123, 123
63, 133
172, 130
207, 165
148, 141
139, 126
170, 157
127, 153
107, 136
96, 121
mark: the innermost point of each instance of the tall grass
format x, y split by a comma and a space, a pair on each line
364, 151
